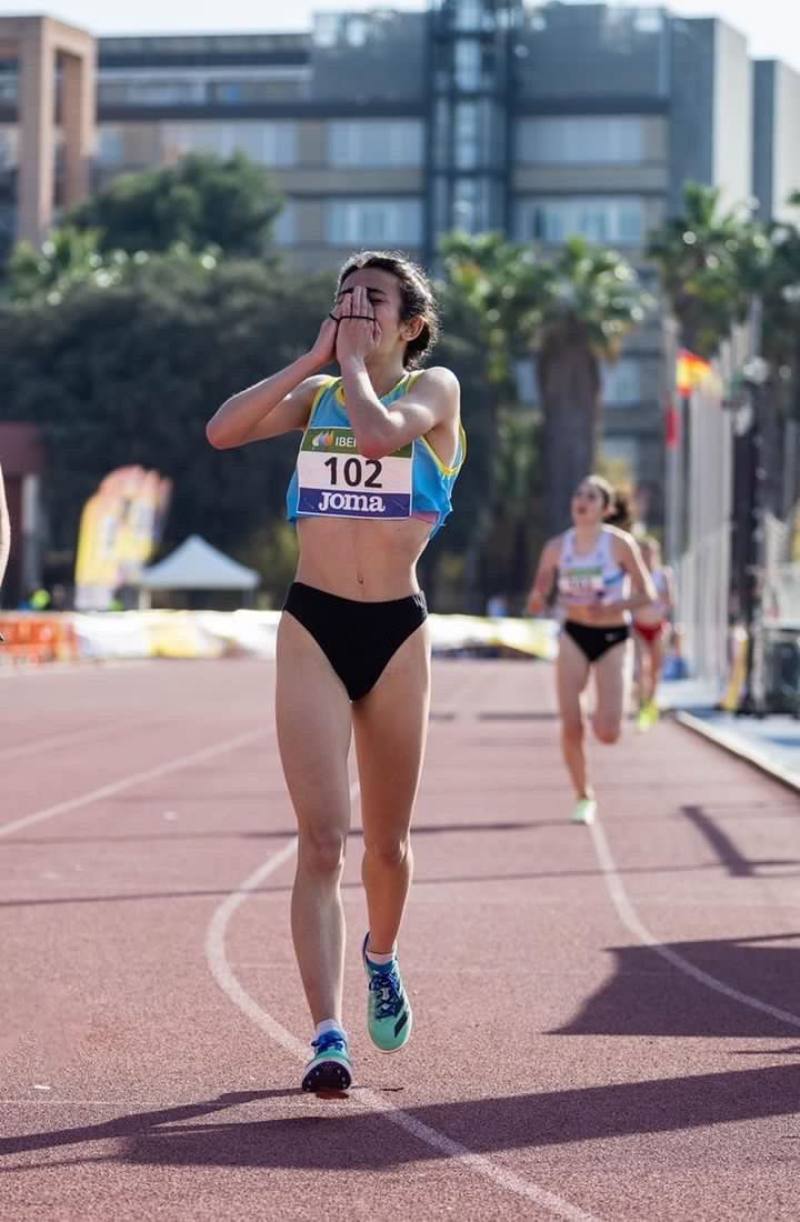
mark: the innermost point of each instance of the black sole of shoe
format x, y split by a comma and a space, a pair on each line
330, 1075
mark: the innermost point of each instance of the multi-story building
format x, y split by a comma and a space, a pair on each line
389, 128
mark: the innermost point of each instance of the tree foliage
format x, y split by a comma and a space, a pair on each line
709, 261
70, 258
571, 310
130, 372
778, 286
201, 201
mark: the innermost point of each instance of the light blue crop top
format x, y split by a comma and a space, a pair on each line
331, 479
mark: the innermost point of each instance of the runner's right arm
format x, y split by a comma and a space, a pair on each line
670, 598
545, 576
278, 404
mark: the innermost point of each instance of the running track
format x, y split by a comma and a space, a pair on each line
607, 1021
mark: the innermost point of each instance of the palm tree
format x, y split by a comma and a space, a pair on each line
572, 311
709, 263
779, 288
714, 265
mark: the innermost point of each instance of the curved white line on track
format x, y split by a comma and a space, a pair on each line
632, 922
224, 976
135, 778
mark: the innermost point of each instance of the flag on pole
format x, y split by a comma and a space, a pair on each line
691, 371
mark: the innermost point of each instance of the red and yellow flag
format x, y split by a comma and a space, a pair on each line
691, 371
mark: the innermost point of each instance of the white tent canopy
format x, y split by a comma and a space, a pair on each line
196, 565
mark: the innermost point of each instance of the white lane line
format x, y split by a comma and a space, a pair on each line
632, 922
220, 968
135, 778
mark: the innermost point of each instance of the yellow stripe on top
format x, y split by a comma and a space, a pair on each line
340, 399
326, 385
445, 470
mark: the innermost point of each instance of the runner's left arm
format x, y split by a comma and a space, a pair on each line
643, 592
380, 430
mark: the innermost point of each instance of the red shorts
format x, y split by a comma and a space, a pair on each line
649, 632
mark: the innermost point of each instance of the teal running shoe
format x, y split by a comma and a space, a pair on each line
389, 1017
585, 811
330, 1067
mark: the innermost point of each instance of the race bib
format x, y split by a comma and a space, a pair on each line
584, 585
335, 481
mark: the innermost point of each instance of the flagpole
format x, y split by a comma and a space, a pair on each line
753, 700
673, 426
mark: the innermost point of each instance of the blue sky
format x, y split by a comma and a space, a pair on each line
772, 26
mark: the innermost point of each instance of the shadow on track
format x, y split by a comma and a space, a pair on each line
334, 1140
648, 996
423, 829
736, 864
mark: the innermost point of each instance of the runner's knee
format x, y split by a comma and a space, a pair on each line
572, 730
391, 851
321, 851
607, 731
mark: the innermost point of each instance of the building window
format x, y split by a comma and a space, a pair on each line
9, 87
469, 15
9, 148
284, 228
584, 140
268, 144
374, 142
159, 91
110, 145
467, 56
605, 218
622, 383
471, 205
353, 222
244, 90
467, 135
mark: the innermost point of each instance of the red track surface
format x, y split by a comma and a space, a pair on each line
561, 1066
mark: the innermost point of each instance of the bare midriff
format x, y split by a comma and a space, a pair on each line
577, 613
367, 561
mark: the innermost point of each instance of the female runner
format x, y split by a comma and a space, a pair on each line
381, 449
649, 626
594, 565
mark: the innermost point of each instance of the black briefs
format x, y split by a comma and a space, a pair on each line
594, 641
357, 638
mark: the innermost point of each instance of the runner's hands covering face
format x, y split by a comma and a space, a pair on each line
324, 349
359, 333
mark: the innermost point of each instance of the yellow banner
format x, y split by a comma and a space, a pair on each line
119, 531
